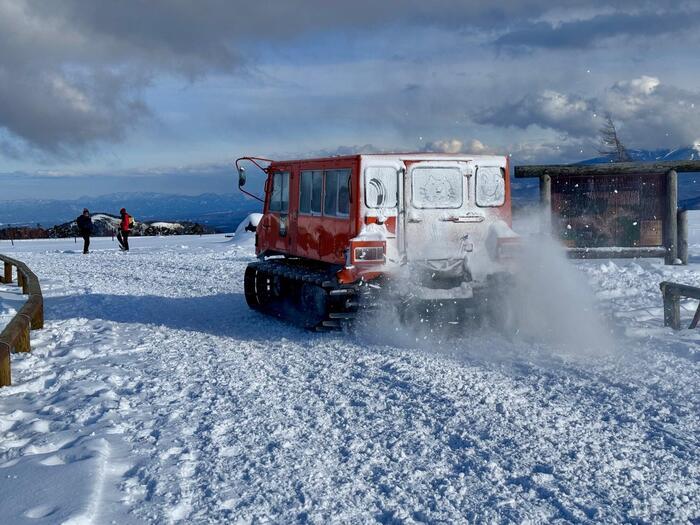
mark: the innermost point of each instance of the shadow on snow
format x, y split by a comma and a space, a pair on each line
225, 315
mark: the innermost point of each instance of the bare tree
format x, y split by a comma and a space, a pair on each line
610, 142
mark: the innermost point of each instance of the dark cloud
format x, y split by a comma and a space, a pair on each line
549, 109
649, 113
595, 30
54, 113
73, 73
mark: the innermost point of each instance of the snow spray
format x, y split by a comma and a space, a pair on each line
551, 299
551, 302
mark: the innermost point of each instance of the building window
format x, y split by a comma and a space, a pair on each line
310, 190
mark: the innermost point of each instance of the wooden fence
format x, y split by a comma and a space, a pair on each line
15, 336
672, 303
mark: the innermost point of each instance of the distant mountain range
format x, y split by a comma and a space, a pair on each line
105, 225
641, 155
222, 212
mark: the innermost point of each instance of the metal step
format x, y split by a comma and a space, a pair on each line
342, 291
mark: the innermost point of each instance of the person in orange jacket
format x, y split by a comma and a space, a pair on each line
124, 230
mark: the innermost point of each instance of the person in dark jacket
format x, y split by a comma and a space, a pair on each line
124, 230
85, 228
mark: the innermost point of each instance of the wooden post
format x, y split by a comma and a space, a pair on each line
546, 203
5, 374
672, 307
24, 339
15, 337
16, 334
671, 218
683, 236
35, 307
696, 319
8, 273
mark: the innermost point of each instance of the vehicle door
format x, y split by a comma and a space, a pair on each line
440, 221
274, 224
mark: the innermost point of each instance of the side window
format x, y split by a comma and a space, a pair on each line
381, 187
490, 186
330, 205
344, 192
310, 190
337, 193
279, 199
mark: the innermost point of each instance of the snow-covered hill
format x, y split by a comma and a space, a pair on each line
106, 225
155, 395
691, 152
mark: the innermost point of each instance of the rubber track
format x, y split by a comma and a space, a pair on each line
341, 307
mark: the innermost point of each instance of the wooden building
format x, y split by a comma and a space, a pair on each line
627, 209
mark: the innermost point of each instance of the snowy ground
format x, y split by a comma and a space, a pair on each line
155, 395
11, 300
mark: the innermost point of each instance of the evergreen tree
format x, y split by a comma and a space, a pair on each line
610, 142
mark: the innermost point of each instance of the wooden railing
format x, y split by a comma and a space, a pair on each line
15, 336
672, 303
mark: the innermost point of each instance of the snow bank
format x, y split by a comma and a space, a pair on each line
170, 225
245, 232
11, 300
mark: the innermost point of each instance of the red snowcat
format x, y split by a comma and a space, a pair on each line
427, 234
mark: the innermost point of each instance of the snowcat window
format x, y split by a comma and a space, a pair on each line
337, 196
279, 200
490, 186
437, 188
310, 191
381, 187
344, 192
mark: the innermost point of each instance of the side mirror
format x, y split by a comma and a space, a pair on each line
256, 161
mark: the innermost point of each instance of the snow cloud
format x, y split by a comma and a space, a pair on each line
457, 146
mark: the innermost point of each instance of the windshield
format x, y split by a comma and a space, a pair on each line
437, 188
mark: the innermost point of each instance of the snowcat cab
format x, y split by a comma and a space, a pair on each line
419, 231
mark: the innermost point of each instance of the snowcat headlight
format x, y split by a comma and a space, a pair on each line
368, 252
